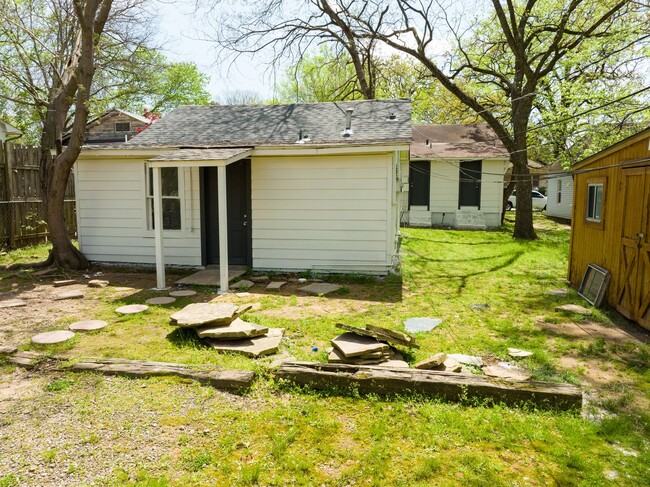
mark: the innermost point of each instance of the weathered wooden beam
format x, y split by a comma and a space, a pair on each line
446, 385
214, 376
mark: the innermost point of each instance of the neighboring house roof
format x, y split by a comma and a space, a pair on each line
476, 141
6, 129
372, 121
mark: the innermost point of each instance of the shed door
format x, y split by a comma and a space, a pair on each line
633, 298
469, 174
419, 183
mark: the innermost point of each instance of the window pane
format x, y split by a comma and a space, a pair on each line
598, 203
590, 201
169, 181
171, 214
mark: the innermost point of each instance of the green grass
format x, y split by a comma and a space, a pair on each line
277, 434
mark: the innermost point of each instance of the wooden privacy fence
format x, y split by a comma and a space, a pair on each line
22, 211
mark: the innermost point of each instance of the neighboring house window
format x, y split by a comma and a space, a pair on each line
171, 200
122, 126
559, 191
595, 202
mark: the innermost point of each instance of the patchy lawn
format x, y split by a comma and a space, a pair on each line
72, 429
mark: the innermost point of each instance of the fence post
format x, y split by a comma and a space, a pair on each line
9, 153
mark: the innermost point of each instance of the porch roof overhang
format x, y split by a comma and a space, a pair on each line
201, 157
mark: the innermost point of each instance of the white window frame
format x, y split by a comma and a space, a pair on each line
592, 211
149, 200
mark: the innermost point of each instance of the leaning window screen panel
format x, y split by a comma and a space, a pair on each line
594, 284
595, 202
171, 201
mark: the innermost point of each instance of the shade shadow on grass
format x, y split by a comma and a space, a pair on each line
186, 338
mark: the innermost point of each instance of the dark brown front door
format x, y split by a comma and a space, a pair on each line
633, 298
238, 181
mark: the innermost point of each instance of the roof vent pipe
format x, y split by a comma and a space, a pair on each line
348, 123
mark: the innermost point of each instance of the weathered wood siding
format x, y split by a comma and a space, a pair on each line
564, 208
601, 244
330, 213
104, 129
112, 217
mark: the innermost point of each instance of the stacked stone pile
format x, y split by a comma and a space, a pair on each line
369, 346
220, 326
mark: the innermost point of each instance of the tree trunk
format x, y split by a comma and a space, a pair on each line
63, 253
524, 214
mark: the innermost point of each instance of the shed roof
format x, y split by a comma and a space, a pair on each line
457, 141
373, 122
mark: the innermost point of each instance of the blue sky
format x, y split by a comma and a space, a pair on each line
178, 32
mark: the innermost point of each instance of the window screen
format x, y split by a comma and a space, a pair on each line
594, 202
171, 201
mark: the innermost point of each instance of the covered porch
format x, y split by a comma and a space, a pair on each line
218, 158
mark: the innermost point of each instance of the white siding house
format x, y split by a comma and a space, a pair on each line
299, 192
455, 177
560, 197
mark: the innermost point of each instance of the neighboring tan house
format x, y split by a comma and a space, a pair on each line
113, 126
304, 187
559, 192
455, 177
8, 132
611, 223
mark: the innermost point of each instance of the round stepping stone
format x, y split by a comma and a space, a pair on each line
87, 325
130, 309
51, 337
182, 293
161, 300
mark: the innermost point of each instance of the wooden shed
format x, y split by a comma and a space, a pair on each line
611, 223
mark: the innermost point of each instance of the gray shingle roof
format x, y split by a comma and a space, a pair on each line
272, 125
456, 141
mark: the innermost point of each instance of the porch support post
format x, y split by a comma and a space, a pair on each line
223, 229
158, 230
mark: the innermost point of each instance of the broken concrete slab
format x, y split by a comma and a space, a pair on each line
435, 361
320, 288
560, 292
131, 309
466, 359
335, 356
260, 278
400, 364
182, 293
161, 300
7, 350
51, 337
251, 347
197, 314
383, 334
12, 303
280, 359
275, 285
450, 365
574, 308
237, 329
353, 345
515, 352
97, 283
87, 325
64, 282
243, 284
68, 295
504, 373
418, 325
